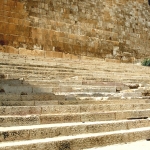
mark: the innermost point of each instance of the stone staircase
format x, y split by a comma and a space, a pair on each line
60, 104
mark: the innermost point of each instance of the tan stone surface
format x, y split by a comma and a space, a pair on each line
88, 111
127, 146
111, 29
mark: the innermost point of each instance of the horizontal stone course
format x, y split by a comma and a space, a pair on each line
80, 141
63, 109
73, 117
97, 29
66, 129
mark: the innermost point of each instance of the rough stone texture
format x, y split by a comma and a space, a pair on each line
57, 28
125, 146
97, 105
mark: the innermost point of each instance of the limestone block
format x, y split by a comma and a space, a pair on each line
36, 53
20, 110
16, 89
52, 102
66, 56
74, 130
49, 119
10, 49
60, 109
1, 49
74, 57
114, 107
132, 94
127, 107
17, 103
98, 116
19, 121
72, 118
112, 60
53, 54
123, 115
14, 135
42, 90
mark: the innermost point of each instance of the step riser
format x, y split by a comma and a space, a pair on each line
28, 89
37, 97
96, 97
50, 132
62, 102
58, 109
66, 118
82, 143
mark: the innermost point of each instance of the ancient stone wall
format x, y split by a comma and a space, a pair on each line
99, 28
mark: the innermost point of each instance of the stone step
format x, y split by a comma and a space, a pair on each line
43, 103
52, 82
18, 89
40, 71
65, 98
81, 141
17, 120
142, 144
57, 69
84, 88
66, 78
55, 63
77, 64
72, 82
71, 77
118, 68
112, 101
28, 59
104, 94
59, 109
32, 103
81, 96
19, 133
85, 76
76, 72
30, 97
37, 77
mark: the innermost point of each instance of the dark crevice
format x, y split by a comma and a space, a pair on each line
135, 118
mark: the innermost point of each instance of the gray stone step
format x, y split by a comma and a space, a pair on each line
58, 69
82, 141
10, 57
84, 88
20, 88
93, 63
86, 75
142, 144
103, 95
19, 133
37, 103
13, 120
59, 109
30, 97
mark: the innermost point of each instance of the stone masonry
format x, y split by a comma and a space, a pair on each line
114, 29
61, 104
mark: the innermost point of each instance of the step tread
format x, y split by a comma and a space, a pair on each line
12, 128
78, 113
143, 144
64, 138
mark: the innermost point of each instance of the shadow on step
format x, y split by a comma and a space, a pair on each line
16, 92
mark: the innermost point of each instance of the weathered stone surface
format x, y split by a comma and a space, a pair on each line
105, 29
83, 115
